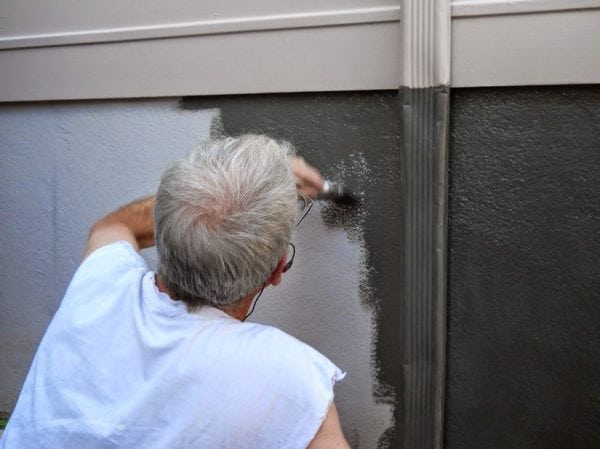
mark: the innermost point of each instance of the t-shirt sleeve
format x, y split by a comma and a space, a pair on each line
106, 269
297, 383
311, 388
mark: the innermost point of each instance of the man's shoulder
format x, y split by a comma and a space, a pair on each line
269, 346
270, 340
109, 261
113, 254
104, 273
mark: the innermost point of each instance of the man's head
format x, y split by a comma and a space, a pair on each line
223, 219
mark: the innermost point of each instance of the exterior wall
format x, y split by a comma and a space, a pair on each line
523, 239
65, 50
63, 166
139, 49
524, 278
66, 164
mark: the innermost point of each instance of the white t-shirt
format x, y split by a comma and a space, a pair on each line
124, 366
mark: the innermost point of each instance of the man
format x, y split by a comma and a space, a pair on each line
136, 359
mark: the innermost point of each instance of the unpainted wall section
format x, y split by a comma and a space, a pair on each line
524, 272
66, 164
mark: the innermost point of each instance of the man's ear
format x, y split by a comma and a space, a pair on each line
276, 276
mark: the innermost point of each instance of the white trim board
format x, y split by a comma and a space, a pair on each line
300, 60
316, 19
466, 8
494, 43
541, 48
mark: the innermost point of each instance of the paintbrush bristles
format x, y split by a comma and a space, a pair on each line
337, 193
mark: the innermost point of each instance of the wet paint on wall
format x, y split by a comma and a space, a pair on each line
353, 138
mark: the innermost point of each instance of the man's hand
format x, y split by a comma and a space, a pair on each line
308, 178
133, 223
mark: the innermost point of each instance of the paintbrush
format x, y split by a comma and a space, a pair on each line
338, 193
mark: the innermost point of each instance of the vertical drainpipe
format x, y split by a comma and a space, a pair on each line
424, 97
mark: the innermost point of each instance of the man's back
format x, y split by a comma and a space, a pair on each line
123, 365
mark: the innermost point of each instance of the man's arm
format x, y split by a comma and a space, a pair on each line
133, 222
330, 434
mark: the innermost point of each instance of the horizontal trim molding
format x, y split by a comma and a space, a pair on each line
460, 8
553, 47
494, 43
336, 58
208, 27
470, 8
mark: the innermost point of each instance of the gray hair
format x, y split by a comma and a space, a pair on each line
223, 218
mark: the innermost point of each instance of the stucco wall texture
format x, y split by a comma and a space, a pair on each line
524, 241
524, 272
66, 164
62, 167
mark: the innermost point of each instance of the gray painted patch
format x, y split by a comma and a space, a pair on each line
354, 138
524, 290
308, 304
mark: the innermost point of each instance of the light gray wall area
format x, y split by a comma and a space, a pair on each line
63, 165
320, 302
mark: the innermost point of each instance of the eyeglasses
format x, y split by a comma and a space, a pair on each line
304, 205
290, 261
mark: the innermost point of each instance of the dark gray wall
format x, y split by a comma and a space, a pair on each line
361, 131
524, 270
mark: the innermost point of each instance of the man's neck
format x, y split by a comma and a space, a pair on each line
237, 310
162, 287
